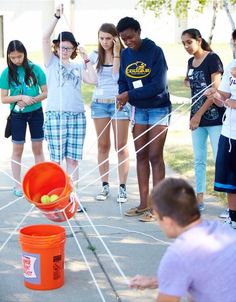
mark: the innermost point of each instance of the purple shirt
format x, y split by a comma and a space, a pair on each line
201, 262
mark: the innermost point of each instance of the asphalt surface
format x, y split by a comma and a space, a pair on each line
103, 250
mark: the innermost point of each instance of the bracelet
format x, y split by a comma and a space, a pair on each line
58, 17
116, 57
86, 61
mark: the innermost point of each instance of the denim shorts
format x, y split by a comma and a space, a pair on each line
104, 110
19, 123
151, 116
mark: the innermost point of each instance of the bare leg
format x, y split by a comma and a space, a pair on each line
123, 155
231, 201
143, 168
156, 149
37, 148
16, 167
103, 146
72, 168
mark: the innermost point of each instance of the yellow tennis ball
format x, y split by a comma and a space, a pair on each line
53, 197
45, 199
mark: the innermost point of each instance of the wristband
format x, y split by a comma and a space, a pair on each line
58, 17
86, 61
116, 57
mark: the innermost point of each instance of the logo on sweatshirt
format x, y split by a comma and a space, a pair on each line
137, 70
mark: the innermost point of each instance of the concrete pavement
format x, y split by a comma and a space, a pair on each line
135, 247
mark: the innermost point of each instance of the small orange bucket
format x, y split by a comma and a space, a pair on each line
43, 256
49, 178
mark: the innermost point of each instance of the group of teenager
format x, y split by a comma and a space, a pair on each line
131, 87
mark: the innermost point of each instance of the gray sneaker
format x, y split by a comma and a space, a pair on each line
122, 195
104, 193
224, 214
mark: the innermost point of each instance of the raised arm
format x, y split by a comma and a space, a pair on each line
89, 73
116, 56
47, 52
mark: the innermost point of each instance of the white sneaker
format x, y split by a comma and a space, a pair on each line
224, 214
122, 195
230, 222
104, 193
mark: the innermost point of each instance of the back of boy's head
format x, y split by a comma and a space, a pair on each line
176, 199
128, 23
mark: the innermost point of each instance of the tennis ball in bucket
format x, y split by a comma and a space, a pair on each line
53, 197
45, 199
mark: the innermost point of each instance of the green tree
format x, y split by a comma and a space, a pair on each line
181, 8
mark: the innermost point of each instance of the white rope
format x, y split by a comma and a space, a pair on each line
91, 183
85, 259
136, 138
126, 230
11, 177
20, 164
105, 246
10, 203
17, 227
117, 153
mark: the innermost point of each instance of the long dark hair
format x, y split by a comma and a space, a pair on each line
110, 29
196, 35
17, 45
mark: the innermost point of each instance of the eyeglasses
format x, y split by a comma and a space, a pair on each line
66, 49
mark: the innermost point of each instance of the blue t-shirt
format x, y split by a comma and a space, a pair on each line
201, 262
199, 78
22, 87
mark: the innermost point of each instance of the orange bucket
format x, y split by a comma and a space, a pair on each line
43, 256
49, 178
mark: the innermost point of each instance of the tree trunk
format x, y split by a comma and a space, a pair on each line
231, 22
213, 23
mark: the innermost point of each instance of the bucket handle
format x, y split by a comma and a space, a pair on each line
74, 200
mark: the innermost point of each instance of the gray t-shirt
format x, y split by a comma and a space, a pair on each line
64, 86
201, 262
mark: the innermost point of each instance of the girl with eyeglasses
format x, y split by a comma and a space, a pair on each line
65, 122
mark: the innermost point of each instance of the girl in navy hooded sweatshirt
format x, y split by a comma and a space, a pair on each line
143, 83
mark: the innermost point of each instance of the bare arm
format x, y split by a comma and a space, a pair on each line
23, 100
47, 52
6, 99
116, 58
89, 73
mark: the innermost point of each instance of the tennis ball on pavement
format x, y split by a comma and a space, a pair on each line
45, 199
53, 197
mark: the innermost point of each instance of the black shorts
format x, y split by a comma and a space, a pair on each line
225, 171
19, 123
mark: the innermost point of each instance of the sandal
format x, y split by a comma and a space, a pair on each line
17, 192
147, 217
135, 212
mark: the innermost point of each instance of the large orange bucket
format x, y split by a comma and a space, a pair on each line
45, 179
43, 256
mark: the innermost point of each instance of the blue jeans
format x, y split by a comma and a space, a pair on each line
199, 141
151, 116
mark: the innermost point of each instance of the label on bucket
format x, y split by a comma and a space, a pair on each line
31, 267
57, 267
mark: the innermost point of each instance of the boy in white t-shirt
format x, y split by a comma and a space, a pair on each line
225, 172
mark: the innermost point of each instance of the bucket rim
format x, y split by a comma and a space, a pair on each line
42, 226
